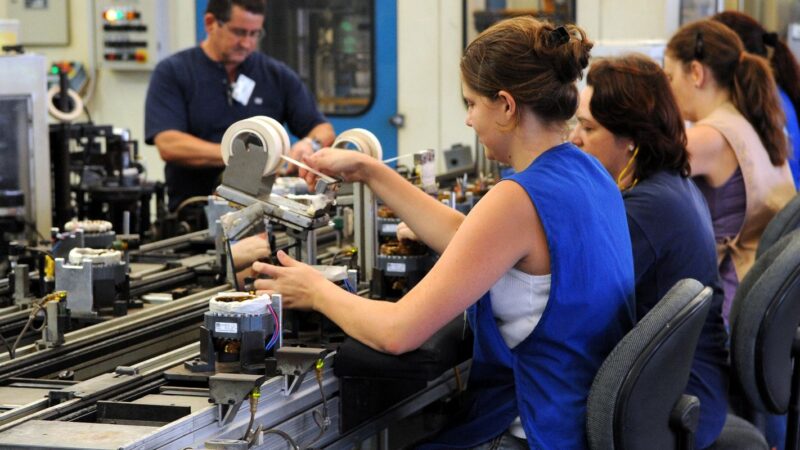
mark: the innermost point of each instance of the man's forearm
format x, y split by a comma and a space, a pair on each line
183, 148
323, 133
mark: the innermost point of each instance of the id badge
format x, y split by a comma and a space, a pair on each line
243, 89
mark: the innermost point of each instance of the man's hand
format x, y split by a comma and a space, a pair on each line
249, 250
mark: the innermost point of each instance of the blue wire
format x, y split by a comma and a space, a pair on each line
275, 333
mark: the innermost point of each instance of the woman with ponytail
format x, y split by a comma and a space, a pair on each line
543, 264
737, 147
784, 68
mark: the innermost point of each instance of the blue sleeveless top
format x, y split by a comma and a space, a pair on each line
793, 132
545, 380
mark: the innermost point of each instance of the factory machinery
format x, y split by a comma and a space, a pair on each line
123, 344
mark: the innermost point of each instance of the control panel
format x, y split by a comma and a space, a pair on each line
131, 34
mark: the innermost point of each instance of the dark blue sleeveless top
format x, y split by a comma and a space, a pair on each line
545, 380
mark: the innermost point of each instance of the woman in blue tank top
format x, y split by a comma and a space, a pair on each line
557, 226
629, 120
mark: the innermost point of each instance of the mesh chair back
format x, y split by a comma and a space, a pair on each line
764, 318
645, 375
786, 221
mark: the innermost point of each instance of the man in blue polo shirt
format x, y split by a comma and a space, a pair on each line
196, 94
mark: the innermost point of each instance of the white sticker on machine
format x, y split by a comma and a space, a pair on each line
226, 327
396, 267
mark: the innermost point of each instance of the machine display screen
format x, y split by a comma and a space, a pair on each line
14, 140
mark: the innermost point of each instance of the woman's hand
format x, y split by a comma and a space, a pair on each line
300, 285
347, 165
403, 232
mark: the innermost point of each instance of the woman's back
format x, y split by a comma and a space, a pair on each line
767, 187
545, 379
672, 239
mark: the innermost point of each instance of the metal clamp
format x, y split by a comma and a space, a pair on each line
294, 363
228, 391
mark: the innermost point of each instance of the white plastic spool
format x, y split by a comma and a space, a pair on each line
270, 134
363, 141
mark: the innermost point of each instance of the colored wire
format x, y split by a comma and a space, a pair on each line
276, 332
349, 287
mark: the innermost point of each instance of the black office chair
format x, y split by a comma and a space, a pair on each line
636, 400
784, 222
765, 346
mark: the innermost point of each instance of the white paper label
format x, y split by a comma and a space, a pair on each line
243, 89
396, 267
389, 228
226, 327
425, 164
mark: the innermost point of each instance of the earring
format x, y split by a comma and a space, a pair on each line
631, 148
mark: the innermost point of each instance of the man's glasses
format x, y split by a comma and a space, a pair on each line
241, 33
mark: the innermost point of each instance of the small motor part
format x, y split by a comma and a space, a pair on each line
96, 256
234, 335
88, 226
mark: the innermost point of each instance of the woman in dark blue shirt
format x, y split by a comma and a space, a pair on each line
629, 120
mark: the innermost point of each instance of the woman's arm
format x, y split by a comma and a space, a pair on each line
434, 223
710, 154
500, 232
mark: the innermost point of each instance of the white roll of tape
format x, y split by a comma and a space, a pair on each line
267, 131
64, 116
363, 141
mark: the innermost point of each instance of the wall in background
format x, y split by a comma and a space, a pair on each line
119, 95
429, 50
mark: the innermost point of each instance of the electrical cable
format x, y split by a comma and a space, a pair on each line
24, 329
44, 322
233, 266
5, 344
322, 419
86, 111
189, 201
58, 295
254, 396
284, 435
276, 333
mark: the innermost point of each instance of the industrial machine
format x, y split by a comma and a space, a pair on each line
25, 168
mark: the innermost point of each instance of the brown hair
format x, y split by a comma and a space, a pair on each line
757, 40
747, 77
632, 98
536, 62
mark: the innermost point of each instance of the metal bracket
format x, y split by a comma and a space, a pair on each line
228, 391
294, 363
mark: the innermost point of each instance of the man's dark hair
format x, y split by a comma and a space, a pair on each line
221, 9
